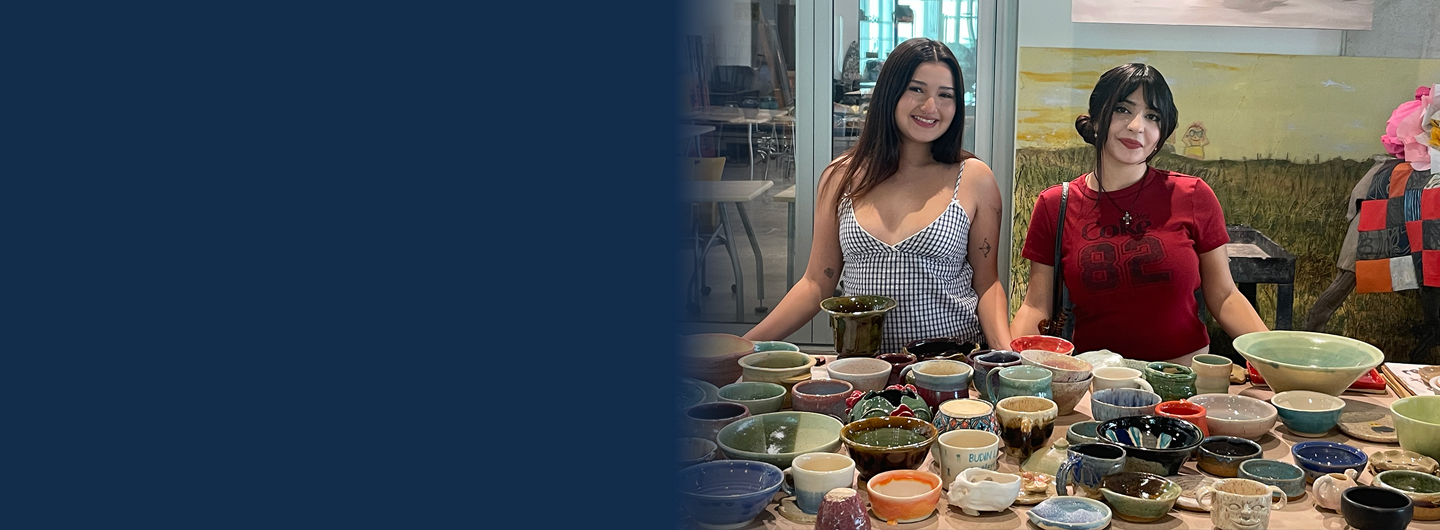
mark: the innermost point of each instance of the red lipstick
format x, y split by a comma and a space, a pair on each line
1131, 143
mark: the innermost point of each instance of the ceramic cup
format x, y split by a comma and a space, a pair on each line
966, 448
903, 495
757, 396
1376, 508
1240, 504
815, 474
1067, 395
1114, 403
1118, 377
938, 380
1171, 381
824, 396
898, 362
1086, 465
1283, 475
1019, 381
857, 322
986, 360
1184, 410
843, 509
1026, 423
863, 373
966, 414
1212, 373
706, 419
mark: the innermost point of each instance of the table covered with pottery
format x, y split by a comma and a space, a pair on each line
1301, 513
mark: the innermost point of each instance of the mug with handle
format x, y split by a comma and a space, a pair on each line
1022, 380
1118, 377
1239, 503
814, 475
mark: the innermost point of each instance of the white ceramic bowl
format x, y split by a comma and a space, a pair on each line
863, 373
1239, 416
1303, 360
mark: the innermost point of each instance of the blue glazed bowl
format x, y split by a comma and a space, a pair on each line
1287, 477
1319, 458
1308, 413
1153, 444
1069, 512
728, 493
1112, 403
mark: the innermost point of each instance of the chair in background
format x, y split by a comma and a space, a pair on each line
731, 83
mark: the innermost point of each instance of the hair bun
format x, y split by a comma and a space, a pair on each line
1086, 128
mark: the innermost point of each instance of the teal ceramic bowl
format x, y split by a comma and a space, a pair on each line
778, 437
759, 397
774, 345
1306, 413
1417, 424
1283, 475
1082, 432
1303, 360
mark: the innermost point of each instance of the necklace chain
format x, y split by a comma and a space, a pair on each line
1126, 219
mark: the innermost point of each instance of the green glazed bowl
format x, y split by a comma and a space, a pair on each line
1417, 424
778, 437
759, 397
1303, 360
1139, 497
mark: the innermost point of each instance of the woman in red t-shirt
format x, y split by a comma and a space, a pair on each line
1137, 241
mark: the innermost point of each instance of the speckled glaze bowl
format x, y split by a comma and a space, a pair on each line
1303, 360
1153, 444
778, 437
727, 494
1423, 489
1319, 458
888, 443
1239, 416
1139, 497
1065, 369
1222, 455
1068, 512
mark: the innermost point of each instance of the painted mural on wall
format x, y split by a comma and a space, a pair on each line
1316, 14
1283, 140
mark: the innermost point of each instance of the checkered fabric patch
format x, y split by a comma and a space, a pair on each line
1399, 244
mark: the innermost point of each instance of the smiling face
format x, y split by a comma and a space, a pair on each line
927, 107
1134, 130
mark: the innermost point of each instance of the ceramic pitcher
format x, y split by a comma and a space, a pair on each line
1329, 487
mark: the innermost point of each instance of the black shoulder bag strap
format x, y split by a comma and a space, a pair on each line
1061, 324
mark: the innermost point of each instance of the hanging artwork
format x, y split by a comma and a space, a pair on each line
1314, 14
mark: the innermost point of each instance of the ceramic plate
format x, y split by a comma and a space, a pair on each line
1368, 422
1188, 485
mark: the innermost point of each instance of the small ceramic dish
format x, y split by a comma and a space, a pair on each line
1222, 455
1283, 475
1069, 512
1423, 489
1307, 413
1035, 487
759, 397
1391, 459
1234, 415
1319, 458
1082, 432
1153, 444
1139, 497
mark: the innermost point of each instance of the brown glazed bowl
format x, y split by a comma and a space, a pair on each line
888, 443
713, 357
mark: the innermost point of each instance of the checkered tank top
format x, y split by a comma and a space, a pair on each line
926, 273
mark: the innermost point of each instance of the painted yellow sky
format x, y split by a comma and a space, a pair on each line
1273, 106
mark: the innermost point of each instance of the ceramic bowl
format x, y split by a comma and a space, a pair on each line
888, 443
713, 357
1112, 403
940, 348
1375, 508
778, 437
864, 373
1064, 368
1222, 455
1184, 410
1381, 461
1423, 489
1153, 444
774, 345
968, 413
759, 397
1319, 458
693, 392
1042, 342
1307, 413
1303, 360
1082, 432
1417, 424
727, 494
1102, 358
1069, 512
1283, 475
707, 419
904, 495
1068, 395
775, 366
825, 396
691, 451
1139, 497
1239, 416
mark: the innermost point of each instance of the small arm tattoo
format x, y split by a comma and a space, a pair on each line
985, 247
829, 273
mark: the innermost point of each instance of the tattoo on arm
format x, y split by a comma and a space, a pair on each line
985, 248
829, 273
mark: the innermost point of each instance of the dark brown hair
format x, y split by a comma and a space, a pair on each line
876, 154
1115, 85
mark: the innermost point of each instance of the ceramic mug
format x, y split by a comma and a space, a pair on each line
967, 413
1086, 465
1212, 373
1240, 504
814, 475
964, 449
1020, 381
1118, 377
1171, 381
898, 362
986, 360
1026, 423
938, 380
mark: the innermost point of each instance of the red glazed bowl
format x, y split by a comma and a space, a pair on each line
1042, 342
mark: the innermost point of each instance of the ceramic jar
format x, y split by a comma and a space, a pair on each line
966, 414
978, 490
1329, 487
1240, 504
1170, 380
1212, 373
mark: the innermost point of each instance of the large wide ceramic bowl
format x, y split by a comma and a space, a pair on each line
727, 494
1304, 360
778, 437
1417, 424
713, 357
1239, 416
1153, 444
888, 443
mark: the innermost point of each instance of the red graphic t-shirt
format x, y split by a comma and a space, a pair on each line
1133, 288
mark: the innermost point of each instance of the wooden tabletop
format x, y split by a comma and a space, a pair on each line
1299, 514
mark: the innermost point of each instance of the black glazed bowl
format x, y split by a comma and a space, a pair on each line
1375, 508
1222, 455
941, 348
1153, 444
